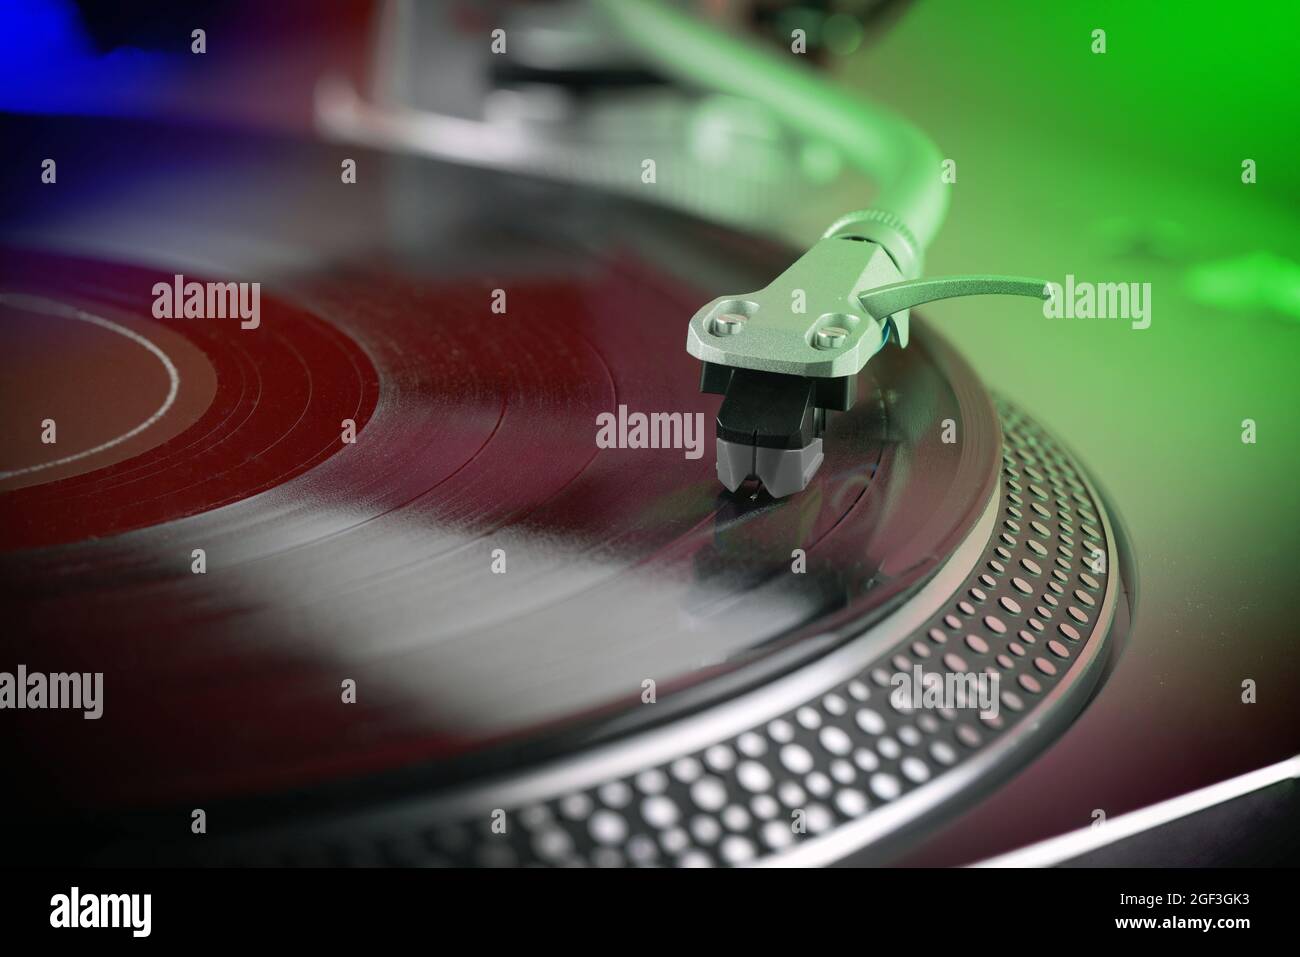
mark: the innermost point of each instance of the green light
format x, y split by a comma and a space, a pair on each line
842, 34
1261, 280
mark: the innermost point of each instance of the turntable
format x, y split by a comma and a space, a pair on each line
386, 573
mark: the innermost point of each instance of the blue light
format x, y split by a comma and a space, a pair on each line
49, 65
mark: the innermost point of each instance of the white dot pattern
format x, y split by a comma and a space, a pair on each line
849, 751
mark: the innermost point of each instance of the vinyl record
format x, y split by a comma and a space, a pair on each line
371, 547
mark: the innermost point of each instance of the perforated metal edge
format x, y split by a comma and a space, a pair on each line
722, 787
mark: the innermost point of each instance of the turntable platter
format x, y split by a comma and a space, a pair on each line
474, 587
